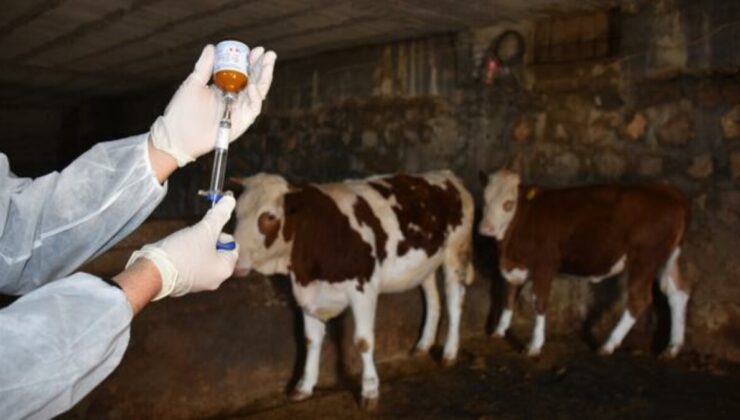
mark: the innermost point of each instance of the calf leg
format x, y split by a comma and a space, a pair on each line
363, 309
675, 288
314, 330
458, 272
431, 318
541, 281
505, 320
455, 293
639, 296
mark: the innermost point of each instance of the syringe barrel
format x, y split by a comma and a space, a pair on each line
219, 171
220, 155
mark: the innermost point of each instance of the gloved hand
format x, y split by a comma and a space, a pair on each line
188, 260
188, 127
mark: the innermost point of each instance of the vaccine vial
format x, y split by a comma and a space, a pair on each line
230, 67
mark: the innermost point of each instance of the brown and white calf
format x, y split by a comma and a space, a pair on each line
596, 232
345, 243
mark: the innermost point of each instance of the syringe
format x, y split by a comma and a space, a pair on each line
230, 76
221, 152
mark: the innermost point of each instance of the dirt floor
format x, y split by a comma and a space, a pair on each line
493, 380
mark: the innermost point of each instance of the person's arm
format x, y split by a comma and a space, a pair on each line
58, 342
52, 225
141, 282
61, 340
162, 164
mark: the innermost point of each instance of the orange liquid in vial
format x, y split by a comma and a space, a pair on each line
230, 80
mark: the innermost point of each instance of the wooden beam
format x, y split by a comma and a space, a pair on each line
161, 29
86, 29
172, 66
31, 14
220, 33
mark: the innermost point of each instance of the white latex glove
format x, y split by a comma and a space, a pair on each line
188, 127
188, 260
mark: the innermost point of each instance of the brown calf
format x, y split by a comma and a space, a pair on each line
344, 244
596, 232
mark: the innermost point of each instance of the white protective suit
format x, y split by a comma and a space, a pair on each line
68, 331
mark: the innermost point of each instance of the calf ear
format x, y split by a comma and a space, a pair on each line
483, 178
269, 225
235, 184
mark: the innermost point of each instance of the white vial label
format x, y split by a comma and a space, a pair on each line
231, 55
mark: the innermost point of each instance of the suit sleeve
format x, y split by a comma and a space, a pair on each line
52, 225
58, 342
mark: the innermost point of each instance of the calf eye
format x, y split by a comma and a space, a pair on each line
508, 205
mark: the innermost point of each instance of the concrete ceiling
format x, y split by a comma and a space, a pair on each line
70, 48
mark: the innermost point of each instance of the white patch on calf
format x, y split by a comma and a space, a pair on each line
677, 300
314, 334
322, 299
666, 273
504, 322
617, 268
413, 226
370, 380
408, 271
516, 276
620, 331
538, 336
455, 296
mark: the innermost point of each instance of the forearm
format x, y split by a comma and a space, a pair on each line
162, 164
58, 342
140, 282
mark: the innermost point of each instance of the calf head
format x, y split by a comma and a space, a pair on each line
260, 216
500, 202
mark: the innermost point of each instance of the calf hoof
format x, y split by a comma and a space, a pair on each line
671, 352
448, 362
297, 395
369, 403
498, 334
605, 351
419, 352
533, 352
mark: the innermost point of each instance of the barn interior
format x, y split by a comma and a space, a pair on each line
575, 92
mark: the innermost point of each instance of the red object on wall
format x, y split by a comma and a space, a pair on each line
491, 68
